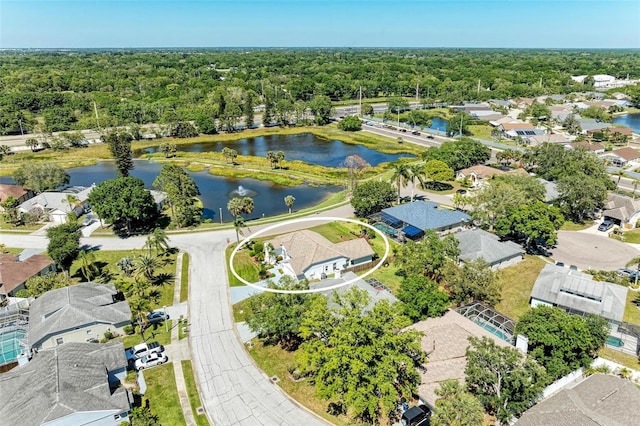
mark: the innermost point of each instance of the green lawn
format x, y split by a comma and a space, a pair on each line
387, 276
481, 131
572, 226
106, 260
335, 231
192, 392
240, 310
631, 311
628, 361
517, 282
184, 283
275, 361
632, 236
244, 266
154, 333
162, 395
10, 250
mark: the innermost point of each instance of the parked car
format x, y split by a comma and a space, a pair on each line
573, 267
560, 264
416, 416
157, 317
415, 132
430, 137
138, 351
150, 360
461, 191
605, 226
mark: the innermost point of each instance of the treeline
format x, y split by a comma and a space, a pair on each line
168, 86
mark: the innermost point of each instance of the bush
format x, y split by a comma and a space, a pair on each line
23, 293
128, 330
350, 124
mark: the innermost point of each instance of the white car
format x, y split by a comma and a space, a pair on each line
138, 351
150, 360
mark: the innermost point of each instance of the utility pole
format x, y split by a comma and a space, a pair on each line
21, 131
461, 117
360, 103
478, 87
417, 92
95, 109
398, 118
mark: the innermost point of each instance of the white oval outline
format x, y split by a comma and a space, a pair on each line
309, 219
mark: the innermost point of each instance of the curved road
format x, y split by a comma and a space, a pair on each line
234, 391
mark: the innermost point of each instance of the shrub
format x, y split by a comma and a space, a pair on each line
128, 330
350, 124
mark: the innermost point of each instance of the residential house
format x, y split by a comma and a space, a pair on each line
55, 206
73, 384
523, 130
502, 103
587, 124
622, 210
307, 254
480, 174
536, 140
596, 148
16, 191
411, 220
374, 289
550, 190
612, 131
635, 142
596, 400
15, 271
621, 157
445, 342
577, 293
78, 313
502, 120
479, 244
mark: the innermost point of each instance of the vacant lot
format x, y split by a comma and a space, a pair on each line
517, 282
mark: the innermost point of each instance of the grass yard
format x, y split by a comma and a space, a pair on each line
240, 310
517, 282
572, 226
481, 131
275, 361
192, 392
627, 360
631, 311
153, 333
162, 395
184, 282
387, 276
244, 266
632, 236
106, 261
335, 231
10, 250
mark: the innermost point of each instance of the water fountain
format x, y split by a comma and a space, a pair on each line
241, 191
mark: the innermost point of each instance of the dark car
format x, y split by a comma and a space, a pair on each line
415, 132
157, 317
430, 137
416, 416
461, 191
605, 226
560, 264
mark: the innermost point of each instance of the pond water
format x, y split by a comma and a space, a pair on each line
629, 120
304, 147
215, 190
439, 124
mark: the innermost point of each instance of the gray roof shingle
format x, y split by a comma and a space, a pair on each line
74, 306
426, 215
575, 290
597, 400
476, 243
63, 380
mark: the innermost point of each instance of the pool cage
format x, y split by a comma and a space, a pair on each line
491, 320
395, 227
14, 325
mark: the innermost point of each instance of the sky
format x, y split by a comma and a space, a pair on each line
319, 23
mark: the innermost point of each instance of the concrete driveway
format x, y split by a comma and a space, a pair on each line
589, 250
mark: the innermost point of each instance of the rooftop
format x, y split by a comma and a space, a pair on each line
476, 243
16, 191
14, 271
576, 291
426, 215
61, 381
57, 200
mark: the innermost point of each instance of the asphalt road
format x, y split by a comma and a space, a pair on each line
592, 250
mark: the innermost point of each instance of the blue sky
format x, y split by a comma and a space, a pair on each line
312, 23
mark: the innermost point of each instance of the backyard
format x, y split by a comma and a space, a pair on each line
517, 282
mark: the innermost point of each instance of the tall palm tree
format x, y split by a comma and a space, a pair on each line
288, 201
235, 206
146, 266
247, 205
401, 175
139, 298
88, 268
158, 241
238, 223
416, 173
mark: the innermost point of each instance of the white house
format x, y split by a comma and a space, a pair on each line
307, 254
57, 205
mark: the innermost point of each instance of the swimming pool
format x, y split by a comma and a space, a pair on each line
10, 346
616, 342
493, 330
384, 228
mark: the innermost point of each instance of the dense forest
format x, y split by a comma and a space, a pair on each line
46, 91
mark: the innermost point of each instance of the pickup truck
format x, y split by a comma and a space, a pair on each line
138, 351
416, 416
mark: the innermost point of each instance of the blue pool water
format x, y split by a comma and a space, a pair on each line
10, 346
493, 330
614, 341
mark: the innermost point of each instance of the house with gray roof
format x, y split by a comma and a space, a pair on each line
597, 400
476, 244
550, 190
78, 313
577, 293
412, 219
587, 124
72, 384
55, 206
622, 210
376, 292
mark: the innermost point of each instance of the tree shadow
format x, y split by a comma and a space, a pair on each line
437, 186
164, 278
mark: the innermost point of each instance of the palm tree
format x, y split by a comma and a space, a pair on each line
158, 241
87, 264
238, 223
401, 175
32, 143
139, 298
146, 266
279, 158
289, 200
271, 156
235, 206
125, 265
247, 205
619, 173
416, 172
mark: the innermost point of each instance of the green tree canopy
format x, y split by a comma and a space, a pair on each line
321, 108
125, 203
184, 129
422, 298
41, 177
504, 381
64, 244
350, 124
530, 223
182, 194
119, 144
473, 281
437, 171
371, 197
39, 284
456, 407
429, 257
459, 154
365, 358
560, 341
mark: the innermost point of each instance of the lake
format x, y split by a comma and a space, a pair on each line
215, 190
629, 120
304, 147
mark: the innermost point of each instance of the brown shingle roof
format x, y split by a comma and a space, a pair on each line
512, 126
588, 146
15, 191
627, 153
483, 172
14, 272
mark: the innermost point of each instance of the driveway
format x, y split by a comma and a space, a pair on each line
588, 250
